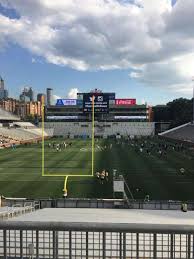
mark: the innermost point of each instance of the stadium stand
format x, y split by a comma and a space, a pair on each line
182, 133
22, 134
24, 124
29, 128
6, 141
49, 132
102, 129
7, 116
19, 132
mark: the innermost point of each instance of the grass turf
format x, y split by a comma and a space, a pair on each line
20, 171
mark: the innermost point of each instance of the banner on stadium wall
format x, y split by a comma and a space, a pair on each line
130, 117
66, 102
125, 101
62, 117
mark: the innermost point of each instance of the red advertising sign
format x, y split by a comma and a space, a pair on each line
125, 101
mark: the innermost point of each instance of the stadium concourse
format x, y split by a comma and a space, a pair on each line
58, 233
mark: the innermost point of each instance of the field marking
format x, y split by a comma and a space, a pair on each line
89, 149
43, 148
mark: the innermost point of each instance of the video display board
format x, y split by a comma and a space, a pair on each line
101, 102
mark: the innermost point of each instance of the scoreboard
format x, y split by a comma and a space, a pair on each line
101, 102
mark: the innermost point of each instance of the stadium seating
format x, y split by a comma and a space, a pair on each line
7, 141
49, 132
24, 124
4, 115
23, 132
183, 133
101, 129
30, 128
17, 134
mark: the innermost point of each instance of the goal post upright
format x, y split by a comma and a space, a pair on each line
42, 113
93, 132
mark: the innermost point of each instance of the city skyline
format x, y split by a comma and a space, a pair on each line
148, 56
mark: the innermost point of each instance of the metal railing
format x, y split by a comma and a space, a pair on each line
102, 203
60, 240
17, 210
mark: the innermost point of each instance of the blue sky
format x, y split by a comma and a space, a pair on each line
18, 71
21, 66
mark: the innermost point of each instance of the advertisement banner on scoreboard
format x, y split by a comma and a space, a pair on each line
101, 102
66, 102
125, 101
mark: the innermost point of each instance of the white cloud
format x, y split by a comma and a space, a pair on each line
149, 35
54, 99
174, 74
72, 94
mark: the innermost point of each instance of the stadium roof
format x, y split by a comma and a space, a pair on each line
4, 115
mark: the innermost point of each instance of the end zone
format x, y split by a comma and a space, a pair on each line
72, 174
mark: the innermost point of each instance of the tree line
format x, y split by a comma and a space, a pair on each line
177, 112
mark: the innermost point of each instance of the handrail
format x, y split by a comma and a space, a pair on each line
98, 227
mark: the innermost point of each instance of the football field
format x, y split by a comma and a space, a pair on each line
146, 174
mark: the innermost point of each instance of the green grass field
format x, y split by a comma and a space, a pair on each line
20, 171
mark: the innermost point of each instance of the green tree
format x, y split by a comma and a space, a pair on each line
181, 111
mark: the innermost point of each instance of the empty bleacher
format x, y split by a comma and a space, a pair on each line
19, 133
29, 128
15, 131
101, 128
7, 116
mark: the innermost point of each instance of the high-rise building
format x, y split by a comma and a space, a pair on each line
49, 94
27, 95
3, 94
2, 87
3, 91
40, 96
